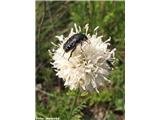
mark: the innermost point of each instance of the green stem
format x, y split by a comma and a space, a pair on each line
41, 115
74, 103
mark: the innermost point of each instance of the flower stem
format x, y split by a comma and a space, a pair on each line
74, 103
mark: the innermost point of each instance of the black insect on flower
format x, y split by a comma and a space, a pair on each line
73, 41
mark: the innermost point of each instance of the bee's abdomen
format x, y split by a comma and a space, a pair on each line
73, 41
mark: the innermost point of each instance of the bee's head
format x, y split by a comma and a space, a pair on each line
67, 48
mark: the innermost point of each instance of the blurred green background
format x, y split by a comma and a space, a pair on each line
56, 18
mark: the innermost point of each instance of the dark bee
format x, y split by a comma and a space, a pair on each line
73, 41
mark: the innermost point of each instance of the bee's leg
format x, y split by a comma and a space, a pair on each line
63, 53
86, 41
81, 47
71, 53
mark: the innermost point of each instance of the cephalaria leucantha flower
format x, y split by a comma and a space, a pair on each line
90, 63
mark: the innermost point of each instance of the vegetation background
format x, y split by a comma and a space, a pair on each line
56, 18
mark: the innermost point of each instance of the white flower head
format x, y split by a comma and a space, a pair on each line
87, 68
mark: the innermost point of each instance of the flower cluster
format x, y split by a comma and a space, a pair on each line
90, 63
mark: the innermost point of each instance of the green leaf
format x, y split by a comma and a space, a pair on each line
76, 117
84, 94
119, 104
71, 93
